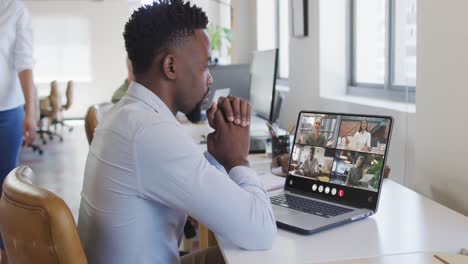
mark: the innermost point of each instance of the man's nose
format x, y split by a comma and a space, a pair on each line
210, 80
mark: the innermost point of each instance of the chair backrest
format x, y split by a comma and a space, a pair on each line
54, 100
93, 117
69, 95
36, 225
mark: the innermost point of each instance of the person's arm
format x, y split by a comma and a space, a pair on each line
368, 143
23, 65
214, 162
301, 165
316, 169
29, 123
349, 180
234, 206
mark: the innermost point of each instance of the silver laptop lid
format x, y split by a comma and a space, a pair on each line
340, 157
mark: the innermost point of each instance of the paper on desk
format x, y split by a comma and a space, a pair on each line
269, 180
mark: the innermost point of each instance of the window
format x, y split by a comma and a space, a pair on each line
273, 31
283, 22
383, 49
219, 26
62, 49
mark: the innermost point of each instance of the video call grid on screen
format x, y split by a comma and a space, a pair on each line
347, 150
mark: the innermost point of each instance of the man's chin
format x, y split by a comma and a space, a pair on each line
195, 115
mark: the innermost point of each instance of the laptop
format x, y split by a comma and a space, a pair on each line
335, 171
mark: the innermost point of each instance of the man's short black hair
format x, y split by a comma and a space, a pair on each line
153, 28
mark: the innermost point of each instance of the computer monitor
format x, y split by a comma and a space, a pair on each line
262, 83
236, 77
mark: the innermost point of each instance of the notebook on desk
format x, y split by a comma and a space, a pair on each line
329, 184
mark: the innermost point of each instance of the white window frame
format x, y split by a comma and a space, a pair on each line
387, 90
282, 80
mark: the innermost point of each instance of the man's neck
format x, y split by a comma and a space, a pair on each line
160, 89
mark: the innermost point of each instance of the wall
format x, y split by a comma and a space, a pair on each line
244, 27
318, 78
442, 125
303, 70
106, 19
107, 46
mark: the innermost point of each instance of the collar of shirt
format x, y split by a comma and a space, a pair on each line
141, 93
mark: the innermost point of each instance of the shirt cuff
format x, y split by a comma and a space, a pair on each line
214, 162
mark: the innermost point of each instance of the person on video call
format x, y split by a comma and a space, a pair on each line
315, 137
356, 173
310, 167
144, 173
362, 137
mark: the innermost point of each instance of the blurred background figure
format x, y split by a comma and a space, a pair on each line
17, 100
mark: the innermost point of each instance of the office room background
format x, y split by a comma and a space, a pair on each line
423, 87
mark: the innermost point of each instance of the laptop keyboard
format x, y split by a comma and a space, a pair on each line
309, 206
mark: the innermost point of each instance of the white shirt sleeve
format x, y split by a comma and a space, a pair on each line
173, 171
368, 139
23, 52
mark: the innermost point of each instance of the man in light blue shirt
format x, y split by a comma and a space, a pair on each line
144, 174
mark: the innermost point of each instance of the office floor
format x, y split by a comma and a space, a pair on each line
61, 168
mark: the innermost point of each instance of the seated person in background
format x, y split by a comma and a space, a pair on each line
310, 167
144, 174
362, 138
356, 173
119, 93
315, 137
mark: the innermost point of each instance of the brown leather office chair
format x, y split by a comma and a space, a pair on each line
49, 108
36, 225
59, 120
93, 116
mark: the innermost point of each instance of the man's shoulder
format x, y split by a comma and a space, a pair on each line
129, 117
19, 8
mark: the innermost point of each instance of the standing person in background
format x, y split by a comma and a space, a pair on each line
17, 100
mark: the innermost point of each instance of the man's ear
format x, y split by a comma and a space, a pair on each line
169, 67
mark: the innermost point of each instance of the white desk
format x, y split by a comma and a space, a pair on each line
405, 223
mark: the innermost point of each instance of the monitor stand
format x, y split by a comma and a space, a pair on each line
258, 134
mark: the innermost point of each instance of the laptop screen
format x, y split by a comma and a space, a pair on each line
340, 157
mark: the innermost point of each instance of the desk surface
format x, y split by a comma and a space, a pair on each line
405, 223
